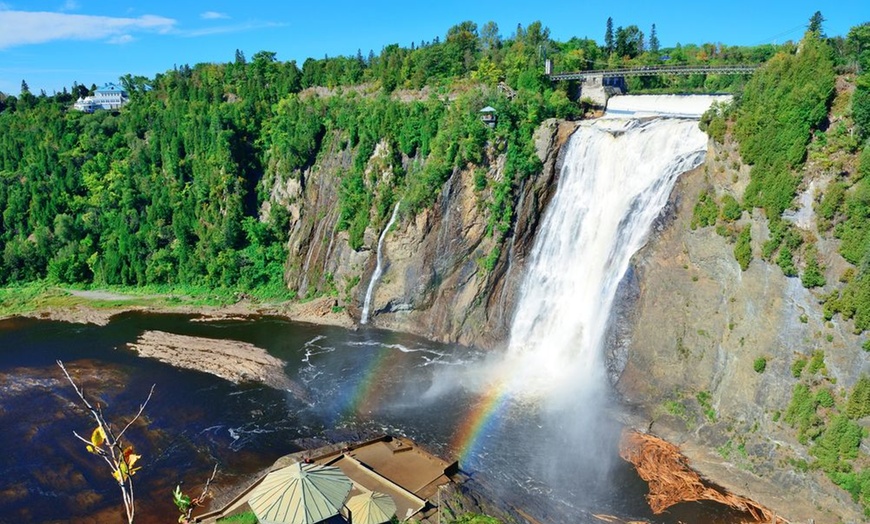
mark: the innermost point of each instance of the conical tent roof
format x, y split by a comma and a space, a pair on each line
300, 494
371, 508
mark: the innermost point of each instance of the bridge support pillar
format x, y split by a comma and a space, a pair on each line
596, 89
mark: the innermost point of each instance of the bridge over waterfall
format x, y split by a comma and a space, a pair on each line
601, 84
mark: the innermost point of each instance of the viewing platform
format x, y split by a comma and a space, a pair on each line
395, 466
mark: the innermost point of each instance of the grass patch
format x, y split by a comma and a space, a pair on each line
39, 296
247, 517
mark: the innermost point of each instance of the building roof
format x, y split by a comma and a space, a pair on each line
488, 109
391, 465
111, 88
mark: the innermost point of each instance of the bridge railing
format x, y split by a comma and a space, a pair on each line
656, 70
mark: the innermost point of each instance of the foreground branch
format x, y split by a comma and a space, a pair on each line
109, 446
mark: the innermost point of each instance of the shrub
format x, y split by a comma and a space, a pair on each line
858, 405
812, 276
704, 400
731, 209
801, 413
831, 204
824, 398
706, 211
743, 248
864, 162
861, 105
817, 362
797, 368
759, 365
785, 261
839, 442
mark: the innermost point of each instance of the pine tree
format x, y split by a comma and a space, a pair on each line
653, 40
858, 405
815, 25
608, 36
25, 89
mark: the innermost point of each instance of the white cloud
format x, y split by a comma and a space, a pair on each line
70, 5
36, 27
213, 15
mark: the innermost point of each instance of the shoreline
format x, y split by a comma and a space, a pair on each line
99, 307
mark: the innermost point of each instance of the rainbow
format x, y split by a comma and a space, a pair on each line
481, 420
360, 401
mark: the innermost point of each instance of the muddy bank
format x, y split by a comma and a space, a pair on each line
229, 359
318, 311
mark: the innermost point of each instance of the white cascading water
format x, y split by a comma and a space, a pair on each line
615, 180
367, 303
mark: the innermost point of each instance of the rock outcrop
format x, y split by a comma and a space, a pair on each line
689, 328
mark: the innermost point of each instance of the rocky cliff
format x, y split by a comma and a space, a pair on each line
691, 328
434, 282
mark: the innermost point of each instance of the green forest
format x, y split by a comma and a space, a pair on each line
168, 191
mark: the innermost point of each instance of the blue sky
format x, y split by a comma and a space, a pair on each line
52, 43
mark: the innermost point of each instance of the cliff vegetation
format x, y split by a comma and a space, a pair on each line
191, 185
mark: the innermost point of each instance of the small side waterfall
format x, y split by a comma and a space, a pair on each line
615, 180
364, 319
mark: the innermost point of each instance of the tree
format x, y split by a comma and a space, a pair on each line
629, 41
490, 39
240, 57
108, 445
25, 89
815, 25
861, 105
608, 36
653, 40
813, 274
858, 46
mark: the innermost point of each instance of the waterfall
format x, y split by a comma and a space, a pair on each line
364, 319
615, 180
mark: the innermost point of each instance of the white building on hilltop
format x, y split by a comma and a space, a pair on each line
109, 97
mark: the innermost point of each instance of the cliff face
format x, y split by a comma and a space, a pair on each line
689, 329
434, 281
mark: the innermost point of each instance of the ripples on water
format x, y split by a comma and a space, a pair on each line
359, 383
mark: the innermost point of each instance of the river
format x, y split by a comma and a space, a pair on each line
356, 383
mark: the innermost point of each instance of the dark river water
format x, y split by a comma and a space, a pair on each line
351, 384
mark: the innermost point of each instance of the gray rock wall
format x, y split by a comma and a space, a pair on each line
690, 326
433, 282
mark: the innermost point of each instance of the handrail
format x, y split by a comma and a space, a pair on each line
655, 70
